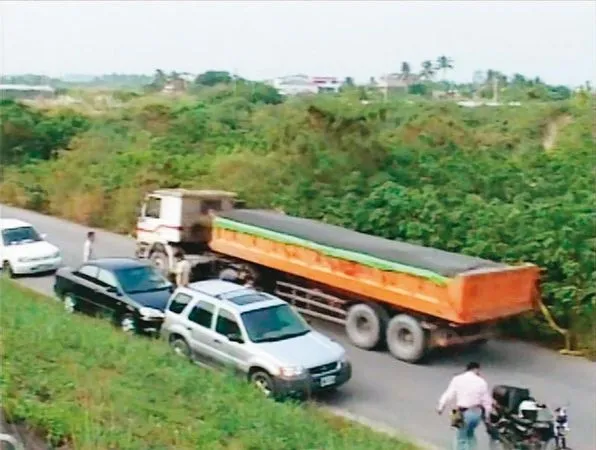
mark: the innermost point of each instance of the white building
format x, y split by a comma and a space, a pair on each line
294, 85
26, 91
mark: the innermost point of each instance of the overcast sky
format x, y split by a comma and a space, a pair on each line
555, 40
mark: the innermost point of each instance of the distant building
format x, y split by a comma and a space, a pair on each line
304, 84
26, 92
397, 81
175, 86
327, 84
294, 85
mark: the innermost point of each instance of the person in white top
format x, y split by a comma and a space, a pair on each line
88, 246
182, 270
469, 392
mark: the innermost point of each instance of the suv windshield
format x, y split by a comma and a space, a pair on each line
21, 235
275, 323
141, 279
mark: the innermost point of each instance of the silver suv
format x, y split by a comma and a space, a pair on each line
264, 338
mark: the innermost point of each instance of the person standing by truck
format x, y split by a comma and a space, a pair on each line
182, 269
469, 391
88, 253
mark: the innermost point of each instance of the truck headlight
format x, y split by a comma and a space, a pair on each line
25, 259
291, 371
55, 255
151, 313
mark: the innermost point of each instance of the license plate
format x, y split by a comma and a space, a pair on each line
328, 380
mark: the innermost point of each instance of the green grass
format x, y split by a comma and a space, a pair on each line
82, 383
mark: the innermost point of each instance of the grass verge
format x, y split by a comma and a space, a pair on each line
87, 386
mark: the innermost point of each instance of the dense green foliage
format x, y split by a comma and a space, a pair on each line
86, 384
510, 184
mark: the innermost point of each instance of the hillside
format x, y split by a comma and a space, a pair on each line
509, 184
80, 384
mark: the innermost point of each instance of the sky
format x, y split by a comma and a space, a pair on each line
555, 40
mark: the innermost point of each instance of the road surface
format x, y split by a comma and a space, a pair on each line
386, 391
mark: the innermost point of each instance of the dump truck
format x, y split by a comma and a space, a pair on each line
385, 293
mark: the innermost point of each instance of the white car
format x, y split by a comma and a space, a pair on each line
24, 251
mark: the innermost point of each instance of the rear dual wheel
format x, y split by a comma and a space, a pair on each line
368, 326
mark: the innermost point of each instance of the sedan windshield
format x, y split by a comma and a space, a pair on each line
275, 323
135, 280
21, 235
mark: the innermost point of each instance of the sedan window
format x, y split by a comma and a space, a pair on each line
88, 271
135, 280
106, 277
20, 235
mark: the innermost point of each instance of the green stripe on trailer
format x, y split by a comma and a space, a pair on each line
347, 255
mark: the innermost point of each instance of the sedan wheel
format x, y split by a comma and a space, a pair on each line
7, 269
127, 324
70, 304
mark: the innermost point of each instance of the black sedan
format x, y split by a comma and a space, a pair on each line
132, 293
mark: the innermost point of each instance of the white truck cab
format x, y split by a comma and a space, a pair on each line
177, 218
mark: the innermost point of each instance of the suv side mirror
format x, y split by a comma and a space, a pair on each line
43, 235
235, 337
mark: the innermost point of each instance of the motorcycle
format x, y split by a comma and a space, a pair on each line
520, 423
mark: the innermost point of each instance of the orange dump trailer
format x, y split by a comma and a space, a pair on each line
412, 298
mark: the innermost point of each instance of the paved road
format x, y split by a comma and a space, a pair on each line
387, 391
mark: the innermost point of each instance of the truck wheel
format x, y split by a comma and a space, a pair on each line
365, 325
161, 262
406, 339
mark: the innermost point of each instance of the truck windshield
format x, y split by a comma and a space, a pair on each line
135, 280
275, 323
20, 235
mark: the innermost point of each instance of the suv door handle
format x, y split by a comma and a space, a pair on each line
217, 341
189, 328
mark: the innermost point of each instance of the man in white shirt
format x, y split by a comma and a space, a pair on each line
469, 392
182, 270
88, 247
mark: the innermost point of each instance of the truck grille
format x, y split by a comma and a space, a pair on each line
324, 368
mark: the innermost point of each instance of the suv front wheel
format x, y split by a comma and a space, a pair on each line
180, 347
263, 382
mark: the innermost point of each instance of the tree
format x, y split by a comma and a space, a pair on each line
213, 77
405, 69
444, 63
349, 82
428, 70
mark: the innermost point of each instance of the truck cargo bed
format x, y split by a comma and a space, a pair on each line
440, 262
483, 294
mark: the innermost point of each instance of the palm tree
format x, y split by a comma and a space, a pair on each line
405, 69
428, 70
444, 63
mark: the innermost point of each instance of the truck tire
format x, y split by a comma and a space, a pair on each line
406, 339
365, 325
161, 262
